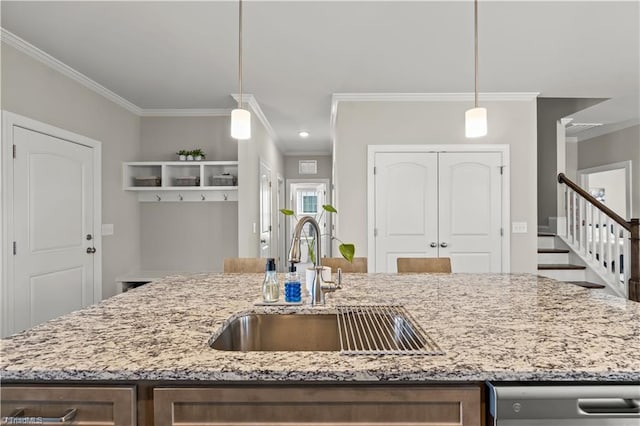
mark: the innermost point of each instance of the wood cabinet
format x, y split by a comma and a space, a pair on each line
182, 180
317, 404
99, 405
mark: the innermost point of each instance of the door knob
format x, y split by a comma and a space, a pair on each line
443, 244
434, 244
91, 250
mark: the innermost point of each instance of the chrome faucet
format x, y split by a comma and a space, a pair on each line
320, 287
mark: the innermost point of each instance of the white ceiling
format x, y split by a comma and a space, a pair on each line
298, 53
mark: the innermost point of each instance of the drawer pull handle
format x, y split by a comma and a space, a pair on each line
18, 418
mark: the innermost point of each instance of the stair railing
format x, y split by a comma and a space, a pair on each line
603, 237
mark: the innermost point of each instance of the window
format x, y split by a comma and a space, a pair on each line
309, 204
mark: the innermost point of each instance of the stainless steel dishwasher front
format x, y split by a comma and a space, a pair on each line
564, 405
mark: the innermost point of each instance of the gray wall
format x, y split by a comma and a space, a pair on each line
291, 166
622, 145
34, 90
550, 110
387, 123
187, 236
250, 153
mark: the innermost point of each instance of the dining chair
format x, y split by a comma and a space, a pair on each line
424, 264
236, 265
359, 264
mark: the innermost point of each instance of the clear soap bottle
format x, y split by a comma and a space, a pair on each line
270, 287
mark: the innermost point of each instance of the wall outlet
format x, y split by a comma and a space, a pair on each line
107, 229
519, 227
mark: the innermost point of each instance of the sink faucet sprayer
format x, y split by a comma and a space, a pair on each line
320, 287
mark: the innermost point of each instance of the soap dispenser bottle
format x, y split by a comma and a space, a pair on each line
292, 286
270, 287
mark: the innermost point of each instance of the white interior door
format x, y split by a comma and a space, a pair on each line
470, 210
406, 209
53, 219
265, 210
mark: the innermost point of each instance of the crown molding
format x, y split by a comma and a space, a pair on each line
185, 112
27, 48
307, 154
432, 97
253, 103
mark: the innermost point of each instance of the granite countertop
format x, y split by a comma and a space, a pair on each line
491, 327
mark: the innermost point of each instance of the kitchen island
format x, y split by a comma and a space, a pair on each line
510, 327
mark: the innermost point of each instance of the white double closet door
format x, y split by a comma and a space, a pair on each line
439, 204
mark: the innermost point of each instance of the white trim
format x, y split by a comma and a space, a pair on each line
9, 120
433, 97
506, 190
185, 112
255, 106
39, 55
626, 165
307, 154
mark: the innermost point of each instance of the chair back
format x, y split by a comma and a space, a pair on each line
424, 264
236, 265
359, 264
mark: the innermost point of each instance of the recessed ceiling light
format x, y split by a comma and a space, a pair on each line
304, 134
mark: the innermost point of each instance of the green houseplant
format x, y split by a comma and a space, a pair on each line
198, 154
347, 250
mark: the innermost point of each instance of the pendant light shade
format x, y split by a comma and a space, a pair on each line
475, 124
240, 124
475, 118
240, 117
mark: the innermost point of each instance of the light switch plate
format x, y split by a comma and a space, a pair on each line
519, 227
107, 229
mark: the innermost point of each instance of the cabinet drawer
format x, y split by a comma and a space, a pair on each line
94, 405
306, 405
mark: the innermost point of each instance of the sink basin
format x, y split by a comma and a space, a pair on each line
273, 332
354, 330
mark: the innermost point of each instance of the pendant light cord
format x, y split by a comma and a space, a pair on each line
475, 13
240, 52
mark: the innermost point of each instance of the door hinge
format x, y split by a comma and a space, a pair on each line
502, 232
375, 170
375, 232
501, 169
15, 248
14, 151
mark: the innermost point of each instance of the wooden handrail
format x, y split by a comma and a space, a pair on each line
590, 198
633, 226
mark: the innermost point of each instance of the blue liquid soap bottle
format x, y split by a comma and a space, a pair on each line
270, 286
292, 286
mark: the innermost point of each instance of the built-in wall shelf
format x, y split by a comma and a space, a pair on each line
158, 181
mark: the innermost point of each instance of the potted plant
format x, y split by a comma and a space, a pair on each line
347, 250
198, 154
182, 154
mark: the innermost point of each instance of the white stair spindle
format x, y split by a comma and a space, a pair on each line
616, 251
601, 237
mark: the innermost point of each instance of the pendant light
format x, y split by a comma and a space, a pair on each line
475, 118
240, 118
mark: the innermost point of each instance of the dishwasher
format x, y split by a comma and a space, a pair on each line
563, 405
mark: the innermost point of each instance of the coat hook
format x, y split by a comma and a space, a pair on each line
158, 197
202, 196
225, 196
180, 196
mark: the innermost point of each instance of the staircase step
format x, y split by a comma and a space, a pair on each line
552, 250
546, 234
559, 266
586, 284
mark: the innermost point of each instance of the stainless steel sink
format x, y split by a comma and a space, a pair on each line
273, 332
354, 330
